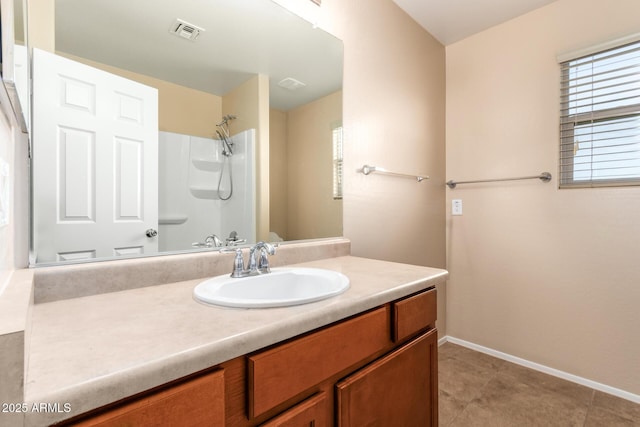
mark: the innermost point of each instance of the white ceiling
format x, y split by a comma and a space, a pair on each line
452, 20
242, 38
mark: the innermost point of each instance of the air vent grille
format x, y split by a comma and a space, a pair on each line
185, 30
291, 84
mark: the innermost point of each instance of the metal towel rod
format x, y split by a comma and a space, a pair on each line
367, 169
544, 177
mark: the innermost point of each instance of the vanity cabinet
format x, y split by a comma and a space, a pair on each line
375, 368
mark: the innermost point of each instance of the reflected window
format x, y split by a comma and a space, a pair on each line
337, 161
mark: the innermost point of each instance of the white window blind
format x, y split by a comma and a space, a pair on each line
600, 119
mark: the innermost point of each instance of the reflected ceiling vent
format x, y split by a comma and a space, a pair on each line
291, 84
185, 30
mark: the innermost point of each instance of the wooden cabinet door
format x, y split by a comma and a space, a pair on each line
399, 389
310, 413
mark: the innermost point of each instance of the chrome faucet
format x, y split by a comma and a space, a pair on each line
234, 240
258, 260
210, 241
213, 240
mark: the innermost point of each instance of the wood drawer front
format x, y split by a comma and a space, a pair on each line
399, 389
284, 371
312, 413
414, 314
197, 402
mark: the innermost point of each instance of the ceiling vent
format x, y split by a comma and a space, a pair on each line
185, 30
291, 83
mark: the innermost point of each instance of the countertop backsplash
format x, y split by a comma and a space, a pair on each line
79, 280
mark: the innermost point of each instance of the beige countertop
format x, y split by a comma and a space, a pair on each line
89, 351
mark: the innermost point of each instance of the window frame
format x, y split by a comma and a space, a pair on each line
568, 123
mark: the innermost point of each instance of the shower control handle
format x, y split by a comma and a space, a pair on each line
151, 232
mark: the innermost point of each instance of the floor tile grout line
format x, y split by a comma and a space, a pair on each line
589, 406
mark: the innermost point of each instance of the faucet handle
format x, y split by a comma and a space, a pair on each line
263, 262
238, 264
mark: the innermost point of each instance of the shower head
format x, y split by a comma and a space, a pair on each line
226, 118
225, 135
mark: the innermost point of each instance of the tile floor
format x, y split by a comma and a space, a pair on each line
479, 390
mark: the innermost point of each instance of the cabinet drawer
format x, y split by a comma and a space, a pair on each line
197, 402
311, 412
413, 314
284, 371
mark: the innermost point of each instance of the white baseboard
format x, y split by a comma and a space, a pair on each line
545, 369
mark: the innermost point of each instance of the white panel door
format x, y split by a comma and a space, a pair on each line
95, 162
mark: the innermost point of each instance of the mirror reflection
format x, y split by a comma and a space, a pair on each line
239, 139
14, 71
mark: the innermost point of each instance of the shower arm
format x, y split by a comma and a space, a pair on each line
225, 135
224, 124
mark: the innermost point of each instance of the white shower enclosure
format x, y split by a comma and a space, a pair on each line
191, 203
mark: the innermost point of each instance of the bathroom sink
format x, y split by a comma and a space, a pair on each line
280, 288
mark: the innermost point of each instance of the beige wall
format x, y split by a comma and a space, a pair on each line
243, 102
311, 210
394, 117
394, 94
278, 198
249, 102
544, 274
41, 25
301, 162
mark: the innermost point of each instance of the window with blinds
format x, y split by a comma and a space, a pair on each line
600, 119
337, 162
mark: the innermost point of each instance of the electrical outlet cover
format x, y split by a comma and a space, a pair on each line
456, 207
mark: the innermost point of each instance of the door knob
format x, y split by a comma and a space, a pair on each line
151, 232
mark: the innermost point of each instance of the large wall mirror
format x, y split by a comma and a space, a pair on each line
243, 128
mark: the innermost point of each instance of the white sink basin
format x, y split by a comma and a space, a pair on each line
282, 287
